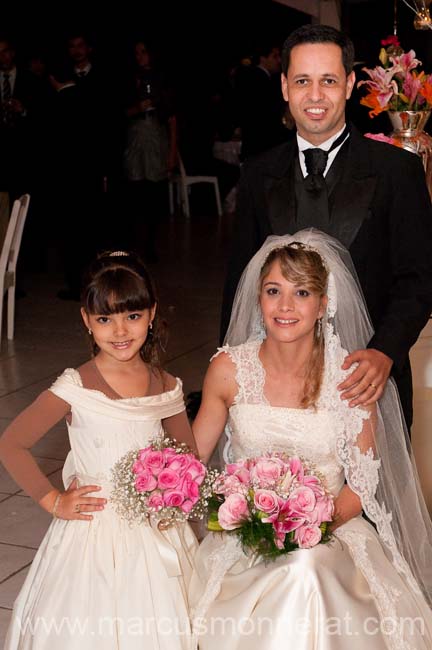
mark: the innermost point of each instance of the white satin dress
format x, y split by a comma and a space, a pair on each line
336, 596
101, 584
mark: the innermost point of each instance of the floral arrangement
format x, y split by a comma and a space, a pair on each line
164, 481
273, 503
397, 85
381, 137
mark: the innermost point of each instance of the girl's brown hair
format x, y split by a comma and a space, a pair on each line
304, 266
116, 282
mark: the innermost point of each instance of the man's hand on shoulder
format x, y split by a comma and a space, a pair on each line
366, 383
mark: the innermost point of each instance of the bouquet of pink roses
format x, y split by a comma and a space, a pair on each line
164, 481
273, 503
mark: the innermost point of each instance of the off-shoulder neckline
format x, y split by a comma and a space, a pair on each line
123, 400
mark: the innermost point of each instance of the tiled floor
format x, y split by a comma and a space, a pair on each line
49, 337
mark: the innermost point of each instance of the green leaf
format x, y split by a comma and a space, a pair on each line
213, 522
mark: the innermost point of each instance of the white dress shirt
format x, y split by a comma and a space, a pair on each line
304, 144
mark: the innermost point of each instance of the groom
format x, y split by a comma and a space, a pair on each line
369, 195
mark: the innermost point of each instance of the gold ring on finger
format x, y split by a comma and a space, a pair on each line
373, 386
77, 508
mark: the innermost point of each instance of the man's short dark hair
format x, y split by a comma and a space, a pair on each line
319, 34
264, 48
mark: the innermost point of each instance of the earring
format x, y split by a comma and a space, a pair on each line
319, 328
150, 326
90, 331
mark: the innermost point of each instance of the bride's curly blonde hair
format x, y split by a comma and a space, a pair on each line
303, 265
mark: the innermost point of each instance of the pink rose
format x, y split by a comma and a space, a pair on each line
229, 485
196, 470
168, 479
243, 475
138, 467
179, 463
169, 452
155, 501
233, 511
155, 461
239, 470
307, 536
187, 506
144, 453
314, 484
232, 468
267, 501
302, 501
323, 511
190, 488
145, 481
173, 498
267, 471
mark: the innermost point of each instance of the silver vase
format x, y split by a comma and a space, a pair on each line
407, 126
408, 133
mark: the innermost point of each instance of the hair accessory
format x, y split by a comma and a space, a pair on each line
301, 246
56, 502
118, 254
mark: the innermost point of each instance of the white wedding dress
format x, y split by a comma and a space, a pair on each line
340, 595
102, 584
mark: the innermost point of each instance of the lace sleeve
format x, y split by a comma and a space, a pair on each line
358, 449
22, 434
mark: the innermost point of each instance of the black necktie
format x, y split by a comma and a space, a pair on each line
315, 198
316, 162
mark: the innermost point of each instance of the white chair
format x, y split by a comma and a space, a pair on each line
183, 183
8, 260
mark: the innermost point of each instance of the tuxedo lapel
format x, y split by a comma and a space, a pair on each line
353, 194
280, 192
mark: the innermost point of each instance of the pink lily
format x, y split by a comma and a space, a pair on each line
405, 62
411, 87
382, 82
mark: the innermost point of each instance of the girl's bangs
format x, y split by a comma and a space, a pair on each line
116, 291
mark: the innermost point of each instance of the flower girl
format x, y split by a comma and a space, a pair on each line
96, 581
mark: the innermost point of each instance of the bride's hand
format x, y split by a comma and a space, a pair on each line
366, 384
346, 506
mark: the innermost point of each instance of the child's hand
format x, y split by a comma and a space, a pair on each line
74, 502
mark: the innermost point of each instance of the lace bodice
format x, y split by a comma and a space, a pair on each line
255, 427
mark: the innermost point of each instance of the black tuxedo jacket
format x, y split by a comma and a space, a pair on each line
379, 209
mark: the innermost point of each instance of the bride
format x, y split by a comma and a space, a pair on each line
297, 312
